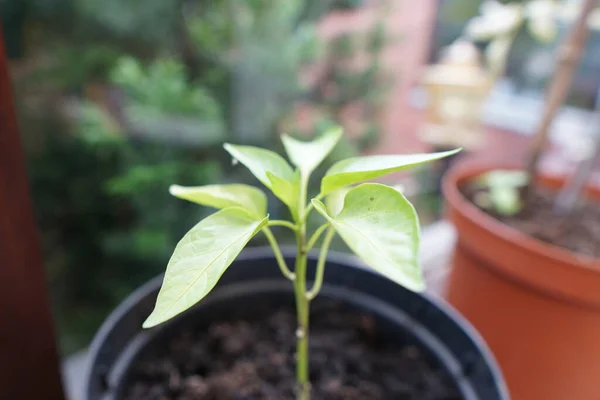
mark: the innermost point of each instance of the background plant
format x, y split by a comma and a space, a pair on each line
374, 220
96, 86
500, 23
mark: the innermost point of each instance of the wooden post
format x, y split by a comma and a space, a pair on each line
29, 362
569, 55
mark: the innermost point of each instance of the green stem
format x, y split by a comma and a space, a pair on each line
302, 309
302, 206
310, 206
280, 260
314, 291
302, 303
283, 223
313, 239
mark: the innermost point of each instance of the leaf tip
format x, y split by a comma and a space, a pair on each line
336, 131
150, 322
175, 190
230, 148
418, 286
320, 207
444, 154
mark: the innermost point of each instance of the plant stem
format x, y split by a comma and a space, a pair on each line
302, 303
310, 206
567, 198
569, 55
280, 260
285, 224
302, 309
566, 201
314, 291
313, 239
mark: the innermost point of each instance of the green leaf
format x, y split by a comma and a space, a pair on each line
335, 200
382, 228
200, 259
222, 196
308, 155
360, 169
506, 200
288, 190
504, 190
503, 178
261, 162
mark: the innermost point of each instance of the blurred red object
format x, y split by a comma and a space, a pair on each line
29, 367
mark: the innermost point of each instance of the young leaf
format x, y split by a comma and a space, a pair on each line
382, 228
223, 196
504, 191
260, 162
287, 189
200, 259
504, 178
360, 169
335, 200
308, 155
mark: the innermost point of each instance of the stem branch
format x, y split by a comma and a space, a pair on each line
314, 291
280, 260
566, 201
313, 239
285, 224
309, 206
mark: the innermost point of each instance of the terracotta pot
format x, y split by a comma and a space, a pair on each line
537, 306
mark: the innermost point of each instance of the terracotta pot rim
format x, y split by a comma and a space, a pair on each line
466, 171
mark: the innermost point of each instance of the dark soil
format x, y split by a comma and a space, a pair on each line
579, 231
253, 359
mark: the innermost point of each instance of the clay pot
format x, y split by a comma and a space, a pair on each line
536, 305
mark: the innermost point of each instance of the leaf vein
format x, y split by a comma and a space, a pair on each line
375, 246
203, 271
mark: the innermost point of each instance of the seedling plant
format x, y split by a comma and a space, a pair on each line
376, 222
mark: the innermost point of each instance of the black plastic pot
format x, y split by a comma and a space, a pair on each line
439, 330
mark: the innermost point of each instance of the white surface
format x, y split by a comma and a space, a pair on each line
73, 369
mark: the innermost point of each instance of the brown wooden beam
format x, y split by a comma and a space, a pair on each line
29, 362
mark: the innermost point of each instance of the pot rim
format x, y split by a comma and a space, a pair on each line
257, 253
469, 170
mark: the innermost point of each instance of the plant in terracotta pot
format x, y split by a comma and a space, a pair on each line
251, 334
525, 269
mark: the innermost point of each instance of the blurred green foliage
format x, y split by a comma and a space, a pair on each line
120, 99
164, 86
